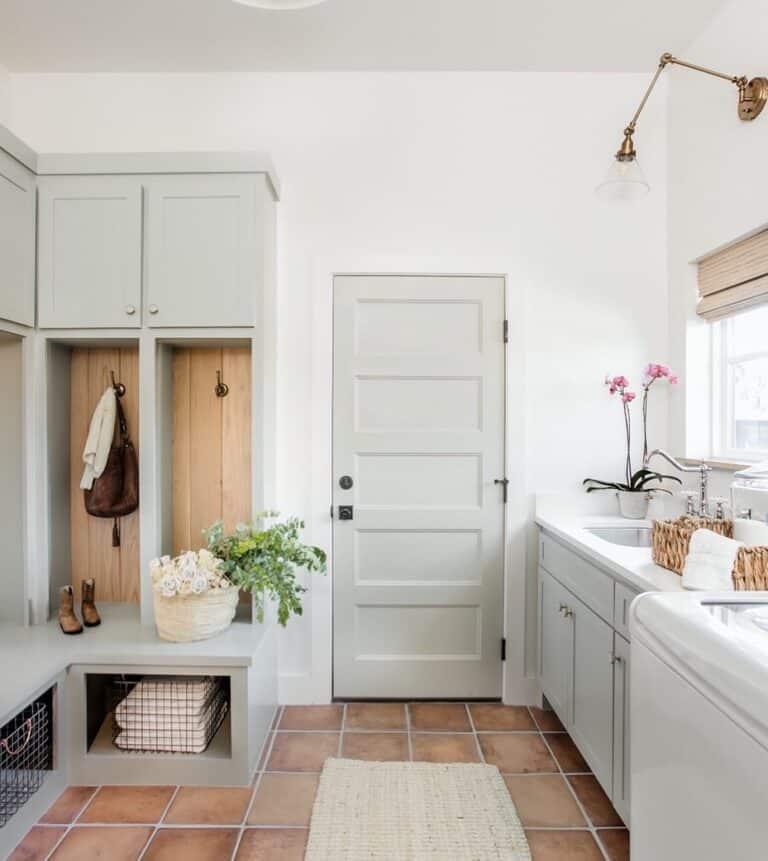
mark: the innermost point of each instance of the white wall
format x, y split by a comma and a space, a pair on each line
717, 191
5, 96
496, 168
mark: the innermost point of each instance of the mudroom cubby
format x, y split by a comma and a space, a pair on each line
98, 730
204, 438
81, 546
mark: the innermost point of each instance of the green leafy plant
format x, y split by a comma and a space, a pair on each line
638, 482
265, 560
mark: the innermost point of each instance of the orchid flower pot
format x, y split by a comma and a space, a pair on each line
633, 504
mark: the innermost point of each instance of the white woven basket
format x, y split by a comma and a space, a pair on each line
185, 618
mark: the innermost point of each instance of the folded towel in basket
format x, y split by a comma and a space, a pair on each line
710, 561
170, 735
158, 696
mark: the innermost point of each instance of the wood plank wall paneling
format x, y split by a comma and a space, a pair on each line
115, 569
211, 442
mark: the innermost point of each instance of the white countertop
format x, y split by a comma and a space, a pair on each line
633, 565
33, 656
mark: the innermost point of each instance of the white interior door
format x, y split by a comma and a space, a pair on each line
418, 442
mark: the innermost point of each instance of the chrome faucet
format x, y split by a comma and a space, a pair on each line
702, 469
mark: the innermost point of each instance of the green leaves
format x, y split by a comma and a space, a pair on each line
265, 561
638, 483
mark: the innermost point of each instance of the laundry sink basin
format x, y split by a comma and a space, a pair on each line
628, 536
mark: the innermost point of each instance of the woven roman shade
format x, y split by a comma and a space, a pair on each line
735, 278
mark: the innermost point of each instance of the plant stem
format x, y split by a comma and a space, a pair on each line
628, 427
645, 425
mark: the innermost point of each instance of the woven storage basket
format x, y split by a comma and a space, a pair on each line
750, 573
671, 538
185, 618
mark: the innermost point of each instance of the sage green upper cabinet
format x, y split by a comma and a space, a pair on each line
17, 242
89, 251
204, 253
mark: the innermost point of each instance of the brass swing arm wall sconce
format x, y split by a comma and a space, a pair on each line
625, 179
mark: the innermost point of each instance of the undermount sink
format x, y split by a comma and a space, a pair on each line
628, 536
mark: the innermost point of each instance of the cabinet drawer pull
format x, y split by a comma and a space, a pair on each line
130, 309
153, 309
615, 659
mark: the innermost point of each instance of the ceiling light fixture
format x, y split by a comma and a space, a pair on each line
280, 4
625, 179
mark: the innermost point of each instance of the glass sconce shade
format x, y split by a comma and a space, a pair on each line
625, 181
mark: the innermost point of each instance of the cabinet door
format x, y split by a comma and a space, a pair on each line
202, 250
592, 703
89, 252
17, 242
555, 645
621, 774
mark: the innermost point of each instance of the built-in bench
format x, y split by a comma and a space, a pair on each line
41, 658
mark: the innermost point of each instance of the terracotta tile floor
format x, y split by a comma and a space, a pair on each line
566, 814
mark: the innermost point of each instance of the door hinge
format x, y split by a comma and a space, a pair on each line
331, 512
506, 331
503, 648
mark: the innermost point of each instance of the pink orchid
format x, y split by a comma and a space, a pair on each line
673, 379
628, 397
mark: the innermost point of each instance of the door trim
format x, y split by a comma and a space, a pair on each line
520, 684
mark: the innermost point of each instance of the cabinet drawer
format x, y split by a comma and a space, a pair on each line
623, 597
582, 578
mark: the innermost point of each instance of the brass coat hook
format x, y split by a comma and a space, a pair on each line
221, 389
118, 387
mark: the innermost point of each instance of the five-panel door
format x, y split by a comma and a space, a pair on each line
418, 444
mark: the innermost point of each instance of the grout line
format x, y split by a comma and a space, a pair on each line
408, 730
68, 826
341, 731
587, 818
159, 822
474, 732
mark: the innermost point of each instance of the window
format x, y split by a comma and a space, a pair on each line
741, 387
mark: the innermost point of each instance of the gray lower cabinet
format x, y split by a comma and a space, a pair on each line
555, 645
17, 242
621, 765
592, 718
584, 667
89, 251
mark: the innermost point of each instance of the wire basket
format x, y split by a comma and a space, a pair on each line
26, 751
167, 714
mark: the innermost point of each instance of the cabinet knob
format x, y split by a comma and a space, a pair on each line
153, 309
130, 309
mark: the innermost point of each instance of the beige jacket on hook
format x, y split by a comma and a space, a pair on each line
100, 435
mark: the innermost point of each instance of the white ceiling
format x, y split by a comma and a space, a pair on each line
219, 35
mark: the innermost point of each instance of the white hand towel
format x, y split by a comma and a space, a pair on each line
100, 436
710, 561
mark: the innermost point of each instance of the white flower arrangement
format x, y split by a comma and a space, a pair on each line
190, 573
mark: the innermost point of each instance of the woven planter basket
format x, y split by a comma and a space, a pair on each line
185, 618
671, 540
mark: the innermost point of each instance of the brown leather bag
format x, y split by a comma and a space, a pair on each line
115, 492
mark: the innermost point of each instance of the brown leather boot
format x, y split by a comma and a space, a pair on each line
68, 621
91, 616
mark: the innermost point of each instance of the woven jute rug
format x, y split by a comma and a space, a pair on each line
414, 811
